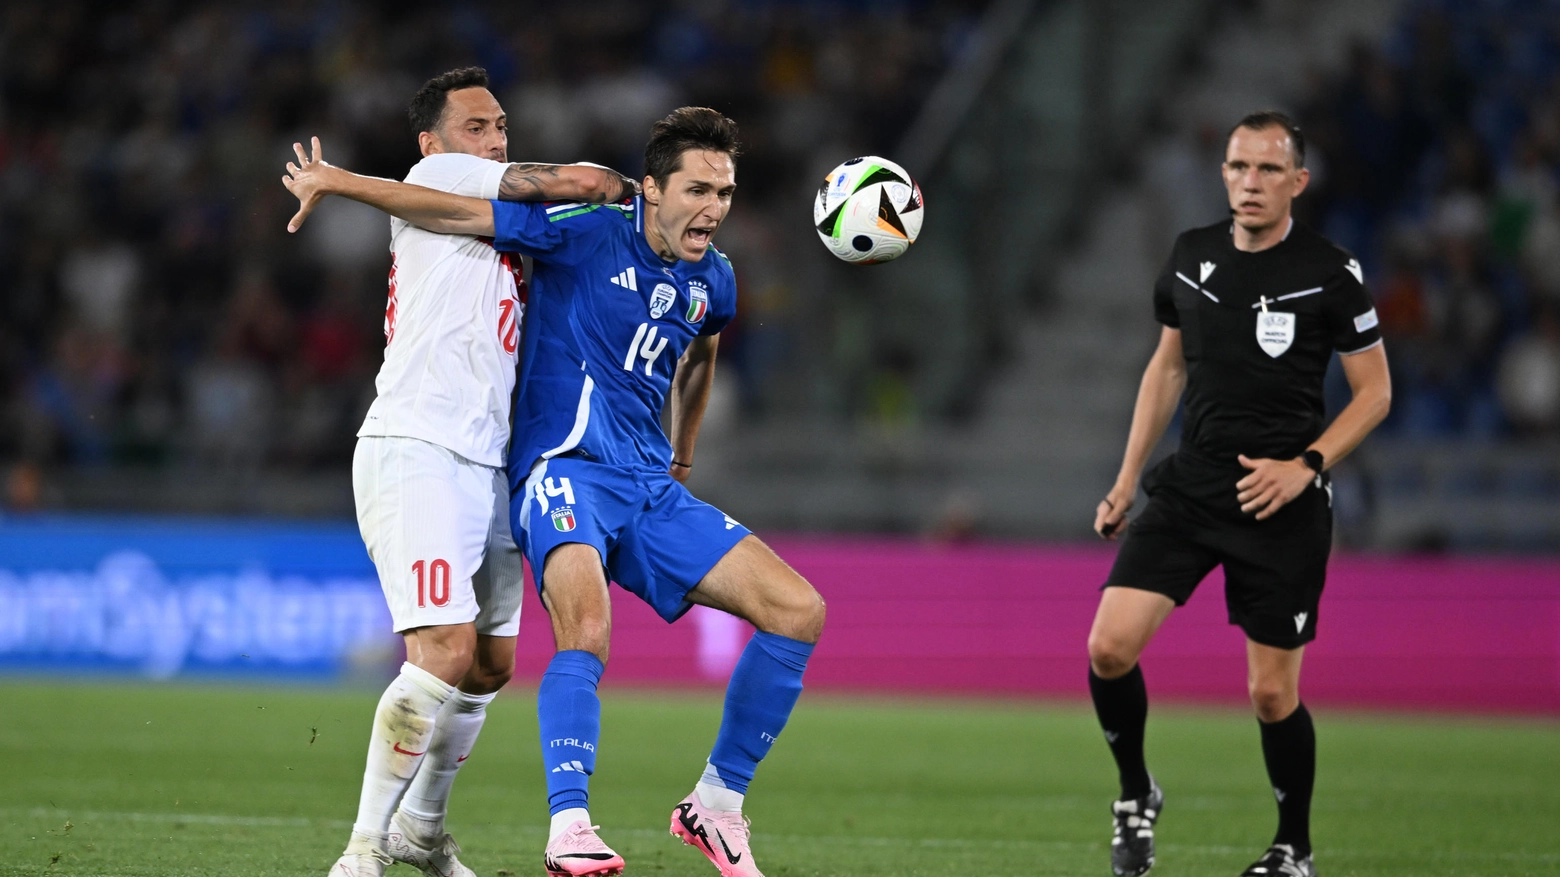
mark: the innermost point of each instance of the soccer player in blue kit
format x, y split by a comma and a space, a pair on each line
627, 303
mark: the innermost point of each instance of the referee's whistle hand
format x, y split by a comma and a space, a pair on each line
1271, 485
1112, 513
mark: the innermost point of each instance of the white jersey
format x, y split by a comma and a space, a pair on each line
452, 326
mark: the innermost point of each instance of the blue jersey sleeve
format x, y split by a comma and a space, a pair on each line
723, 307
563, 233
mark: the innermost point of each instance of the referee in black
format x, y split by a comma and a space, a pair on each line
1252, 309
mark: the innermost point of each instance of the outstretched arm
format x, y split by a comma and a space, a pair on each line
690, 393
1158, 394
312, 178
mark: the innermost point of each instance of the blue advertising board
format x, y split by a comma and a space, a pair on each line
161, 597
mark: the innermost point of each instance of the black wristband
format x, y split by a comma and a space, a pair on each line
1314, 459
688, 466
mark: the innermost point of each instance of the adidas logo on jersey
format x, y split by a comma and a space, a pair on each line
626, 280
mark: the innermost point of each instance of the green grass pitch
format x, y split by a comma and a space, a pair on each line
179, 780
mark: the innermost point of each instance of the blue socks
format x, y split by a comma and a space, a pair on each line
569, 714
759, 699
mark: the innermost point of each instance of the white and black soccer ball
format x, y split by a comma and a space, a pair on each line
868, 210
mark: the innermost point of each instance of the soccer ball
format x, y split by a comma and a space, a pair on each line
868, 210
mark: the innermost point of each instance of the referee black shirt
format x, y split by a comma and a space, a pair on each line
1257, 332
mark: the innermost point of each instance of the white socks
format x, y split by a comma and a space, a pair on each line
713, 793
565, 818
454, 733
403, 728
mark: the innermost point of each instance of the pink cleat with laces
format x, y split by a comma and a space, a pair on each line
721, 835
578, 852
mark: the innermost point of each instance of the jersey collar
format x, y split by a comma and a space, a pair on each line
1287, 229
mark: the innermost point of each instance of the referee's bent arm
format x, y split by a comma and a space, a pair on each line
1371, 383
1272, 484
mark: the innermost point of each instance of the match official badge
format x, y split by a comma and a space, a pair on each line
661, 300
698, 301
563, 519
1275, 332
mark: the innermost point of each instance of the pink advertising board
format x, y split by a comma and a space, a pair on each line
910, 618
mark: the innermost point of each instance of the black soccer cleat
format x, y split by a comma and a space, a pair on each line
1132, 845
1280, 861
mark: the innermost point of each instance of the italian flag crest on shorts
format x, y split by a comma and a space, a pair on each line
563, 519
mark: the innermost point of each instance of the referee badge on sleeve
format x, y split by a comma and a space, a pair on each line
1275, 332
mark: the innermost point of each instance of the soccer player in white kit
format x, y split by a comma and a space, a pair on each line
428, 474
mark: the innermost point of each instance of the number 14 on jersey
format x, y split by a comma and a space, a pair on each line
644, 346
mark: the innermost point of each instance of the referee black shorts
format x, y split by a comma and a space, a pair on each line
1274, 570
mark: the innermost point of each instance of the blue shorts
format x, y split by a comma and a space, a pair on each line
656, 539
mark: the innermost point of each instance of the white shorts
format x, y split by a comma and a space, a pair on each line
437, 528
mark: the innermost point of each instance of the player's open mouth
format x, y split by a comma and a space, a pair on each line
699, 237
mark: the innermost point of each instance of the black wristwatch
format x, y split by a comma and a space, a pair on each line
1313, 458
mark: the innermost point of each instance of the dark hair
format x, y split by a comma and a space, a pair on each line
1274, 119
427, 107
684, 129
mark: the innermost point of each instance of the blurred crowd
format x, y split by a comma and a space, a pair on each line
155, 310
1436, 158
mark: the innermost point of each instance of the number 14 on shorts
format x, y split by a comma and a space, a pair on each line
433, 582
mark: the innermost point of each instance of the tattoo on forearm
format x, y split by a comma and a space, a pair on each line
627, 188
540, 182
527, 181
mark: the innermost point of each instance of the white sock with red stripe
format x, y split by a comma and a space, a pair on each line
454, 734
403, 727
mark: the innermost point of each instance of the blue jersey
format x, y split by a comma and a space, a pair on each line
607, 321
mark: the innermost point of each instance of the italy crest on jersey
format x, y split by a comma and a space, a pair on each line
1275, 332
698, 301
661, 300
563, 519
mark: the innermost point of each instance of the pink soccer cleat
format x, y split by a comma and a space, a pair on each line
721, 835
578, 852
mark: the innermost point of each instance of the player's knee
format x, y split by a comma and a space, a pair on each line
1109, 656
1272, 699
584, 632
449, 659
485, 680
799, 616
812, 617
486, 677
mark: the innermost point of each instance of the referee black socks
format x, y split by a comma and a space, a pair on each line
1122, 707
1289, 748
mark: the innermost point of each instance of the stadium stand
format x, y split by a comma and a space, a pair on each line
166, 346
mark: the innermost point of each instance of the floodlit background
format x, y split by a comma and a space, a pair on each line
181, 380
